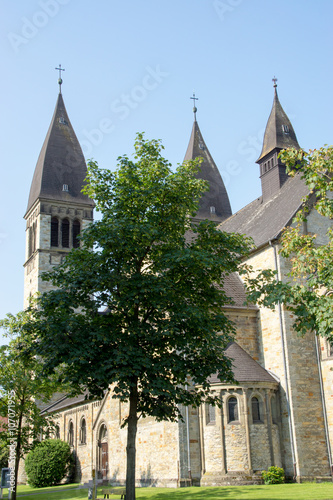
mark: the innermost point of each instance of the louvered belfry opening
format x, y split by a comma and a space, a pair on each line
54, 232
76, 232
65, 233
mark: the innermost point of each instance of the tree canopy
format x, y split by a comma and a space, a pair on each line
140, 304
308, 291
21, 385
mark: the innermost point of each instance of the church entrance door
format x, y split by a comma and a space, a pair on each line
105, 459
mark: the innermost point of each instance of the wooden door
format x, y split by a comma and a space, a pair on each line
105, 460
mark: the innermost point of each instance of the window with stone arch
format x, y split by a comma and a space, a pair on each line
210, 414
233, 415
70, 437
54, 232
256, 409
274, 411
83, 431
32, 239
75, 233
57, 432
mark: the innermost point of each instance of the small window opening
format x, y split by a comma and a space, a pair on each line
83, 432
65, 187
210, 414
285, 129
232, 409
212, 210
256, 410
57, 432
71, 434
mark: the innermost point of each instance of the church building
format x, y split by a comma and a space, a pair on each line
280, 411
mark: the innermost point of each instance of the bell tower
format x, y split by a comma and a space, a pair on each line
279, 134
57, 210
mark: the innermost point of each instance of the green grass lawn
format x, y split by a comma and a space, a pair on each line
305, 491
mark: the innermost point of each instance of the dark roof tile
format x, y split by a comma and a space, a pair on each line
245, 368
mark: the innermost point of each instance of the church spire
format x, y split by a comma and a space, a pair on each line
279, 134
214, 204
279, 131
61, 168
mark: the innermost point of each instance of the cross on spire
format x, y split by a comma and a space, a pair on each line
274, 80
194, 106
60, 79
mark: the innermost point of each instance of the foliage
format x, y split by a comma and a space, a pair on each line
274, 475
21, 384
308, 293
4, 454
48, 463
159, 279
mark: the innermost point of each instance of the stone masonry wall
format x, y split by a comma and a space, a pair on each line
157, 444
246, 323
303, 383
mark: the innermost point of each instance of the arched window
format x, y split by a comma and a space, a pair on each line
30, 241
103, 434
76, 232
65, 233
83, 431
57, 432
255, 410
232, 409
33, 238
54, 232
274, 409
210, 414
70, 437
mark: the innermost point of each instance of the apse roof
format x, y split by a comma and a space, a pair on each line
245, 368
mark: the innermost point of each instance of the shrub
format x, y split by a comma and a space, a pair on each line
48, 463
274, 475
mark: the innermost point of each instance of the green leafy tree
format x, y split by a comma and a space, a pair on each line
308, 293
48, 463
158, 278
20, 385
4, 454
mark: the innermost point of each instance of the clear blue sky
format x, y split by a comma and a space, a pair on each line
132, 66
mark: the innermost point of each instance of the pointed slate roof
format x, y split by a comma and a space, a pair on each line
61, 162
264, 221
245, 368
217, 195
279, 131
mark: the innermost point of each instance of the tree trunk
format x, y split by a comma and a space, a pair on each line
17, 457
131, 437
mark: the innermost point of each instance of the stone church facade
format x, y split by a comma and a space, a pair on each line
279, 411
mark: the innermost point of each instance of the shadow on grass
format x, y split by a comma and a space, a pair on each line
210, 493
